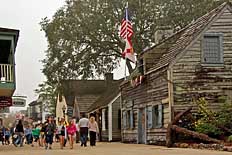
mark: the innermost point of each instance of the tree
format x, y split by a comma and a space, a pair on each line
83, 39
83, 35
48, 92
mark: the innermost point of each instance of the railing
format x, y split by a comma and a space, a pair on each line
6, 73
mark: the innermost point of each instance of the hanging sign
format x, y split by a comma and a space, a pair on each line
5, 101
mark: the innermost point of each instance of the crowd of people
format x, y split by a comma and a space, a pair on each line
44, 134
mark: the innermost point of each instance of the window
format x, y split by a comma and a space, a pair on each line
119, 119
140, 66
106, 118
128, 119
155, 116
212, 49
149, 117
124, 120
131, 119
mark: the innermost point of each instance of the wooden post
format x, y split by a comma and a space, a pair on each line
170, 133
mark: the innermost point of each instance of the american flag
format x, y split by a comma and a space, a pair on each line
126, 33
126, 27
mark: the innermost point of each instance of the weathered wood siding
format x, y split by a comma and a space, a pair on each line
105, 135
150, 93
192, 80
116, 128
139, 96
157, 92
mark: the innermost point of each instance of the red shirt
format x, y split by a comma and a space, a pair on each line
71, 129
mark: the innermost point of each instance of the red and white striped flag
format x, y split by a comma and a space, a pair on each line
126, 33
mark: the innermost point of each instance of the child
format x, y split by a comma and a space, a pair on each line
36, 134
71, 129
7, 136
28, 134
61, 132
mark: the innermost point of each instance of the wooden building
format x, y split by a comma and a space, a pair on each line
192, 63
8, 43
108, 113
85, 95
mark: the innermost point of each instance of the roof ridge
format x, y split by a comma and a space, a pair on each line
191, 31
180, 30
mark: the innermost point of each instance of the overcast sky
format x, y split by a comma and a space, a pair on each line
25, 15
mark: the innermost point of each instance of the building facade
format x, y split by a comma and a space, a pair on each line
8, 43
193, 63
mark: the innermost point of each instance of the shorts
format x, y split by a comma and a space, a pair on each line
36, 137
62, 133
71, 134
49, 139
42, 135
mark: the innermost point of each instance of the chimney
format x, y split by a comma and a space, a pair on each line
162, 33
109, 77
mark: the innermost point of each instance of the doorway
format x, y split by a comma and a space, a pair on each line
142, 126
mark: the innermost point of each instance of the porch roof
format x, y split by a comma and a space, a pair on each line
110, 93
13, 32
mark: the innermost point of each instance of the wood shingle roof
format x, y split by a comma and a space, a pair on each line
188, 34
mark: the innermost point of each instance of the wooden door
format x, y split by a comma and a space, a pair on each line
141, 126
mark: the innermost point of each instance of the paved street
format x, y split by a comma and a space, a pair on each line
107, 149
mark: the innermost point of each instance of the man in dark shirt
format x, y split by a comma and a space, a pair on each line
19, 130
49, 132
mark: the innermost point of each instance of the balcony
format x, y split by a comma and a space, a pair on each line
7, 82
6, 73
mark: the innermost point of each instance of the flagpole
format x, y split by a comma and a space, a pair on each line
126, 35
125, 69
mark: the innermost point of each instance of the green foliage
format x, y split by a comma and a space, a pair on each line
224, 116
214, 123
83, 39
83, 34
48, 92
208, 128
230, 139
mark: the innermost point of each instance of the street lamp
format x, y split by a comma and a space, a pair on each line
64, 109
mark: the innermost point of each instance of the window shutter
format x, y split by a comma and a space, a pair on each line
160, 115
131, 119
149, 118
212, 49
124, 120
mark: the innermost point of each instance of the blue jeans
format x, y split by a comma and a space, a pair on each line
20, 138
29, 138
84, 135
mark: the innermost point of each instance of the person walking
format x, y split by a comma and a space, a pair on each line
7, 136
2, 130
71, 130
36, 134
93, 131
61, 131
83, 125
42, 134
49, 133
28, 135
19, 130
